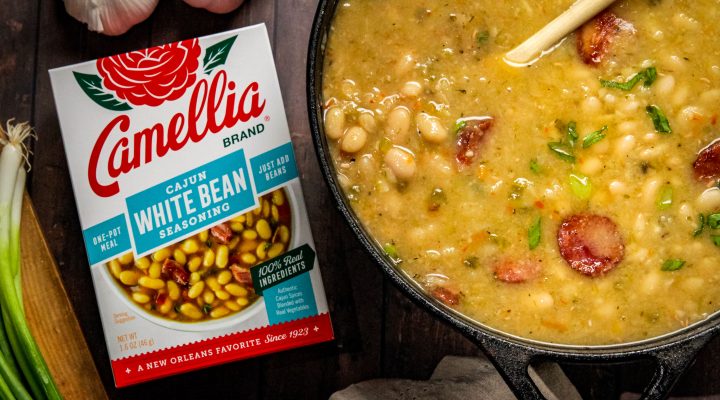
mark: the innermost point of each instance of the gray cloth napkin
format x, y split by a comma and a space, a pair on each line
461, 378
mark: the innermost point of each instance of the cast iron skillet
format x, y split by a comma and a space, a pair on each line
673, 353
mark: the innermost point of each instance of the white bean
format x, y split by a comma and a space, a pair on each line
649, 190
367, 121
430, 128
664, 85
398, 124
680, 95
411, 89
618, 188
624, 145
591, 166
591, 105
709, 200
401, 163
627, 127
354, 139
404, 64
334, 122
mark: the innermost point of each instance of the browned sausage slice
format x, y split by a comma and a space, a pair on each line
595, 36
590, 243
175, 271
707, 164
517, 271
470, 136
222, 233
447, 296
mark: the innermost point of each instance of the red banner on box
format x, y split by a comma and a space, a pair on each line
219, 350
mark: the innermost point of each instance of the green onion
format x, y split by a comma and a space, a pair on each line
716, 240
563, 151
594, 137
647, 75
24, 348
713, 221
459, 125
665, 198
580, 185
482, 37
534, 166
437, 198
572, 135
534, 233
658, 118
700, 226
672, 265
391, 251
471, 262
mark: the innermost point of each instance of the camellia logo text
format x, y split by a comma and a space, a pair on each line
152, 77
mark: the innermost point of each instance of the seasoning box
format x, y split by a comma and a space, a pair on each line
190, 204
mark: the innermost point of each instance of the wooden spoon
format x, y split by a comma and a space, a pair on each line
534, 47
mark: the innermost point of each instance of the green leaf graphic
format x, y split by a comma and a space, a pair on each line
92, 86
217, 54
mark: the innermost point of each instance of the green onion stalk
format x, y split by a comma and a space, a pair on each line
16, 341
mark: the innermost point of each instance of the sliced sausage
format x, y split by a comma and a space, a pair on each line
241, 275
447, 296
175, 271
707, 164
222, 233
590, 243
595, 36
517, 271
469, 138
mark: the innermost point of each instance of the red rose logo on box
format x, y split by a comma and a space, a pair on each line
152, 76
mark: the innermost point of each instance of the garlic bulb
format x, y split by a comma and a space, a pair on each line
111, 17
216, 6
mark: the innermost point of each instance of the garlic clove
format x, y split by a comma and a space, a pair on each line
216, 6
110, 17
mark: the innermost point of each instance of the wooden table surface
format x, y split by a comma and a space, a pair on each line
380, 333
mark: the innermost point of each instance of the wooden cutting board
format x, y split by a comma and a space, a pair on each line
51, 317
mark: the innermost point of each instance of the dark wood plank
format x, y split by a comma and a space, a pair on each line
415, 341
18, 30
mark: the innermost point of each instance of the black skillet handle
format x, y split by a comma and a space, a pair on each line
512, 362
671, 362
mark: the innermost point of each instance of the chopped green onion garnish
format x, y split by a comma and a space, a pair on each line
580, 185
534, 233
665, 198
459, 125
470, 262
700, 227
594, 137
672, 265
206, 309
390, 250
572, 135
562, 150
482, 37
534, 166
647, 75
658, 118
716, 240
713, 221
437, 198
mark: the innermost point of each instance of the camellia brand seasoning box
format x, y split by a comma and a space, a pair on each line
190, 204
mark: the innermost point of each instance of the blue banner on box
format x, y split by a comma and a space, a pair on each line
273, 168
201, 197
107, 239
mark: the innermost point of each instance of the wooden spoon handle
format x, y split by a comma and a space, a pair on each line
571, 19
